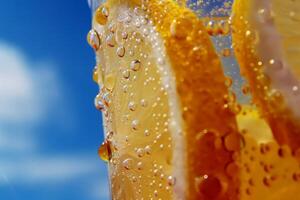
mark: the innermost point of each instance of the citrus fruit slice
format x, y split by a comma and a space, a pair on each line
268, 171
266, 38
166, 107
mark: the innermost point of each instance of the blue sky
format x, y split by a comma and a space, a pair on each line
49, 129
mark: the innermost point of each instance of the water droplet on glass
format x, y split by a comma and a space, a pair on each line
121, 51
95, 74
148, 150
135, 65
109, 81
126, 74
112, 27
135, 124
124, 35
155, 193
105, 152
147, 132
93, 39
101, 15
131, 106
171, 180
127, 164
99, 103
140, 152
110, 40
106, 98
144, 103
139, 165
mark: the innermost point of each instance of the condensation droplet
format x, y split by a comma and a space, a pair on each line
95, 74
101, 15
147, 132
105, 152
109, 81
135, 124
131, 106
155, 193
110, 40
127, 163
144, 103
171, 180
140, 152
135, 65
126, 74
139, 165
93, 39
106, 98
99, 103
112, 27
148, 150
124, 35
125, 88
121, 51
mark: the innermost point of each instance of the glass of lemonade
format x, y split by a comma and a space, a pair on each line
200, 98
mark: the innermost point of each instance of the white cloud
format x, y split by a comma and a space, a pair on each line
20, 87
29, 92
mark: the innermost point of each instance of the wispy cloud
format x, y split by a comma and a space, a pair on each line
29, 92
48, 169
20, 88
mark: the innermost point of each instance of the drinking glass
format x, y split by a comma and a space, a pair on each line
243, 134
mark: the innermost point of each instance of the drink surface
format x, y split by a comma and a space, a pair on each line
190, 110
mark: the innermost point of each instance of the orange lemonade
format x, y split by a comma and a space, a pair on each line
200, 99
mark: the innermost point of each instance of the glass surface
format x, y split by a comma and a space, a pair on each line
200, 99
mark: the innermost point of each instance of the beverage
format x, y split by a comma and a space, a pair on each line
180, 120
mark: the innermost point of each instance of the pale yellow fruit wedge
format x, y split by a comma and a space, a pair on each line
166, 107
